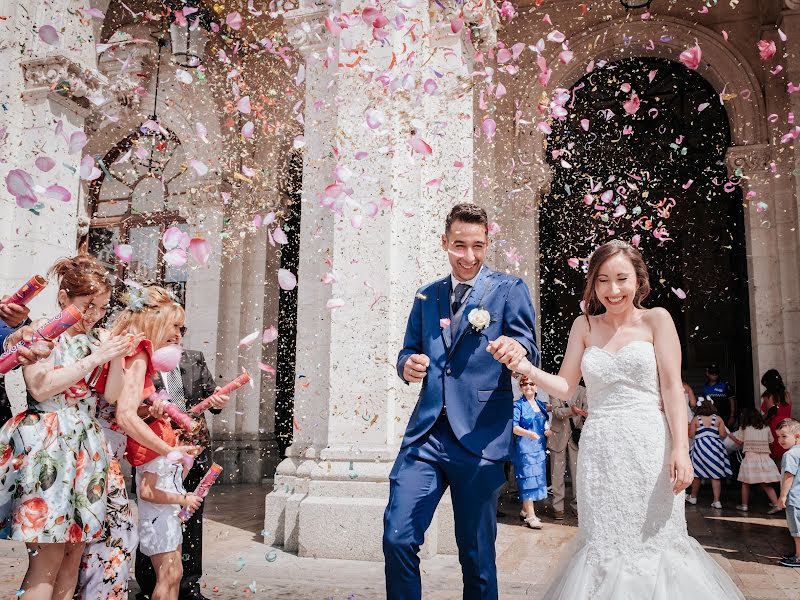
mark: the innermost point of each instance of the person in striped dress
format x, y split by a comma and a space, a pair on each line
709, 458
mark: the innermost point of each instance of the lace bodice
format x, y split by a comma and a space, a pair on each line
626, 379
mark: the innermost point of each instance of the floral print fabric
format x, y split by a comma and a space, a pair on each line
54, 464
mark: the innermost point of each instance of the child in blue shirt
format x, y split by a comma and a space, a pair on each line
789, 438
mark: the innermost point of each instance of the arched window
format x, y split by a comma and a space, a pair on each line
134, 201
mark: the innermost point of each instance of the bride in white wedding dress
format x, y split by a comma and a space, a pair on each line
634, 460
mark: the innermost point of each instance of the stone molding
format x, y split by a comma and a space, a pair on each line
792, 4
62, 80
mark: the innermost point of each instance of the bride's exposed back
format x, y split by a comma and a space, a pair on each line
634, 460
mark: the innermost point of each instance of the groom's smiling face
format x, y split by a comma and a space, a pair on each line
465, 244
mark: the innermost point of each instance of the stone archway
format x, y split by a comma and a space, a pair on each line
748, 158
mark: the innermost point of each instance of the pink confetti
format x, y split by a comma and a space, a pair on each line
566, 56
172, 238
88, 171
286, 280
248, 339
58, 192
167, 358
430, 86
636, 240
267, 368
45, 163
95, 13
556, 36
585, 124
374, 118
489, 127
544, 127
124, 252
573, 262
619, 211
48, 34
702, 107
444, 323
766, 49
679, 293
176, 257
234, 21
243, 105
270, 335
334, 304
632, 106
420, 146
328, 278
691, 58
247, 130
688, 184
77, 141
456, 25
199, 167
200, 250
280, 236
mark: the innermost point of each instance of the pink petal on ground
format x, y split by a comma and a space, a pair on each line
88, 171
556, 36
280, 236
176, 257
200, 250
328, 278
679, 293
504, 55
77, 140
19, 183
286, 280
234, 21
45, 163
430, 86
171, 238
199, 167
95, 13
489, 127
48, 34
544, 127
766, 49
371, 209
631, 106
167, 358
124, 252
334, 303
270, 334
566, 56
375, 118
421, 146
249, 339
332, 26
247, 130
243, 105
58, 192
356, 221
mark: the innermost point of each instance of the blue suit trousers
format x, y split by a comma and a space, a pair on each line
419, 478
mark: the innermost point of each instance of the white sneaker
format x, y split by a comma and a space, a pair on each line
717, 505
742, 507
691, 499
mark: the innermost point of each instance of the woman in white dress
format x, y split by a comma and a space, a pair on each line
634, 461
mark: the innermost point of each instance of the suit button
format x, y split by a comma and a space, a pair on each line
449, 371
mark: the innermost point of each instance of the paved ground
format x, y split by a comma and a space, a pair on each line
238, 565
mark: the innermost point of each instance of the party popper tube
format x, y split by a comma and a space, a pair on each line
229, 388
49, 331
180, 418
202, 489
28, 291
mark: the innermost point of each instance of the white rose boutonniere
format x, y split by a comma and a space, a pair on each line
479, 318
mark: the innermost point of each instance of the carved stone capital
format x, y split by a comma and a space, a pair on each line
750, 159
792, 4
62, 80
305, 27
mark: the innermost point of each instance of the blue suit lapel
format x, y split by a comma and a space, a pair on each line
473, 301
443, 300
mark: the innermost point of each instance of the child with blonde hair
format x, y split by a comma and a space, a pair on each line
789, 439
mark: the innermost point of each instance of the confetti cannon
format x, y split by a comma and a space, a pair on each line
202, 489
28, 291
49, 331
231, 387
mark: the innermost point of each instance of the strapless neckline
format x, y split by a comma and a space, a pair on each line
625, 346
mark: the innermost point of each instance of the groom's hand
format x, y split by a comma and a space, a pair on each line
415, 368
507, 350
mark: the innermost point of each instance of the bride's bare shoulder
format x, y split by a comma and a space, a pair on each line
657, 318
581, 326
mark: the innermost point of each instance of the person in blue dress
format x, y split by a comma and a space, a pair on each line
531, 430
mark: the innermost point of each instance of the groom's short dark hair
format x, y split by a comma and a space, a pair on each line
466, 213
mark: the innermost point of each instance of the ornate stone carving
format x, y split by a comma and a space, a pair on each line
750, 159
792, 4
63, 80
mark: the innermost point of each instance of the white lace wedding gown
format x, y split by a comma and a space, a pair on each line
632, 542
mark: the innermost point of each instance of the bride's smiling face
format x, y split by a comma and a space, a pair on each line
616, 284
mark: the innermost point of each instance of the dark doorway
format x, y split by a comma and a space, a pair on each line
663, 172
287, 307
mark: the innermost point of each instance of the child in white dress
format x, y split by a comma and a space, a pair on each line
159, 485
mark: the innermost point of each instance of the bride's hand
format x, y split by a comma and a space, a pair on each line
681, 472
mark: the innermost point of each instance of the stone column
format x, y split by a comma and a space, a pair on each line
350, 407
751, 165
42, 84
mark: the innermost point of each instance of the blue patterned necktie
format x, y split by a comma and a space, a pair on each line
458, 296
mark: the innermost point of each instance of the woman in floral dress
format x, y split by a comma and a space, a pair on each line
151, 313
53, 456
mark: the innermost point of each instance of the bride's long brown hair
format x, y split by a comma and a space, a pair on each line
592, 304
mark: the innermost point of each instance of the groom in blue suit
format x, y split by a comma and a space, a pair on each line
459, 434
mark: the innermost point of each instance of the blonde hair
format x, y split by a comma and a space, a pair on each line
790, 425
152, 317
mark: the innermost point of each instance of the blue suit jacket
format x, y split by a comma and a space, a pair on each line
462, 374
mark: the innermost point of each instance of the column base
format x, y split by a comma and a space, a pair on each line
246, 457
332, 506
